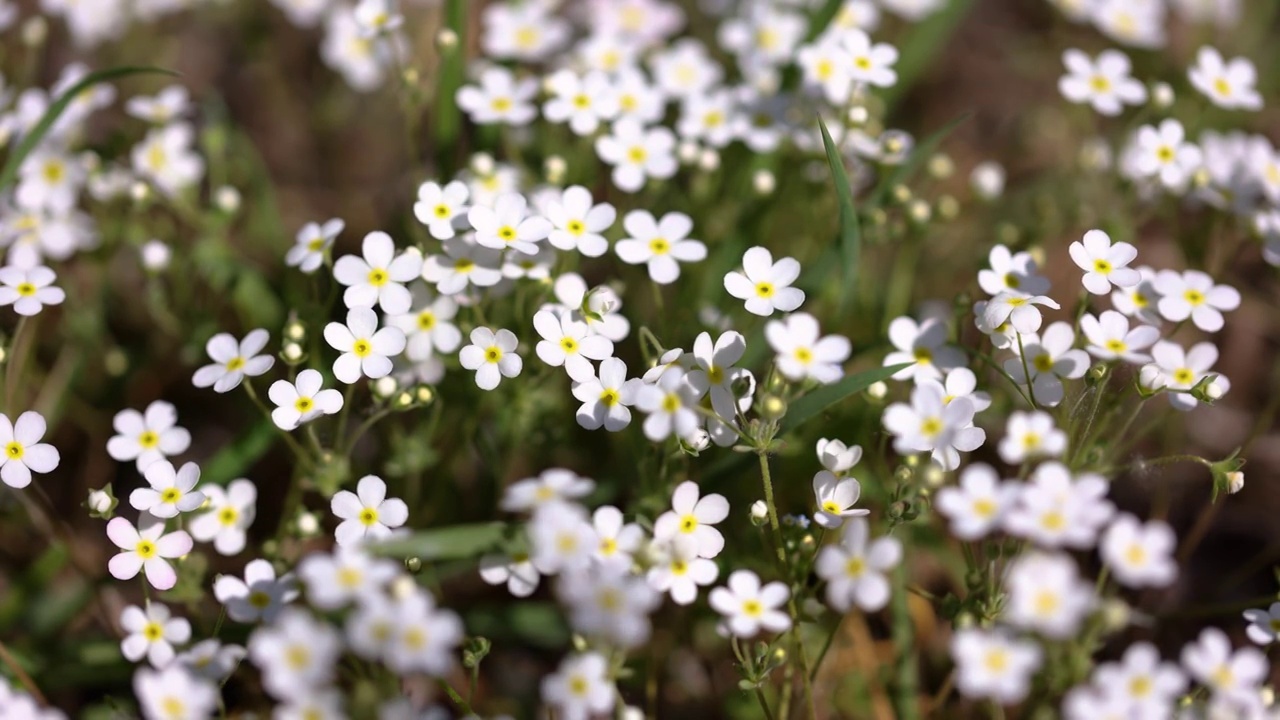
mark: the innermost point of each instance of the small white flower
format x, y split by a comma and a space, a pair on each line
802, 354
211, 660
606, 397
637, 153
1210, 661
1193, 294
1140, 300
1047, 594
145, 549
608, 602
302, 400
517, 572
174, 692
377, 17
499, 98
366, 349
1138, 554
930, 424
1177, 369
1104, 263
296, 654
681, 572
349, 574
619, 540
749, 608
838, 457
855, 568
1164, 153
49, 180
962, 383
764, 284
555, 484
463, 263
978, 505
23, 453
492, 355
1110, 337
1104, 83
835, 498
993, 664
165, 158
169, 104
714, 370
1050, 359
1014, 272
29, 290
1056, 510
378, 278
578, 224
148, 436
561, 537
442, 210
669, 402
1229, 84
659, 244
581, 687
508, 224
923, 345
1264, 625
259, 597
427, 326
313, 241
1017, 309
367, 513
152, 633
582, 101
568, 343
233, 361
171, 491
694, 516
1031, 435
1144, 685
230, 513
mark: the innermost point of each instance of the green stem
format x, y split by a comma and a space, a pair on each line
457, 699
14, 359
1026, 373
364, 427
303, 456
907, 685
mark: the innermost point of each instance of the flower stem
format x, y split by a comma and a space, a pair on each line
298, 450
13, 362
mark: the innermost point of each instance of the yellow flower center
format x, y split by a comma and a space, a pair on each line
148, 439
1011, 281
824, 69
316, 244
671, 403
235, 363
527, 37
1100, 83
1221, 86
1116, 346
752, 608
715, 374
996, 660
831, 507
368, 516
1135, 555
1102, 266
54, 172
923, 355
984, 508
1165, 154
493, 354
931, 427
609, 398
1140, 686
803, 355
464, 265
228, 515
14, 450
426, 320
1016, 301
1047, 603
855, 566
415, 638
297, 657
156, 158
569, 345
145, 549
172, 707
441, 211
170, 495
1195, 297
303, 404
349, 577
576, 227
26, 289
1042, 363
637, 154
679, 567
153, 631
1031, 441
659, 246
1222, 677
578, 685
862, 62
688, 524
1053, 520
765, 290
378, 277
581, 101
1183, 376
362, 348
259, 600
500, 104
507, 233
608, 546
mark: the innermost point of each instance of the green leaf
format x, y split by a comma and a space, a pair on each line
32, 139
903, 173
448, 543
233, 460
850, 233
805, 408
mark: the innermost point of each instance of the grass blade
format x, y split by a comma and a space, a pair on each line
850, 232
903, 173
32, 139
448, 543
808, 407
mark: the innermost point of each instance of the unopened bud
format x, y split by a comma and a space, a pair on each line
901, 194
877, 390
934, 476
920, 211
227, 199
687, 151
385, 387
101, 503
1235, 482
858, 115
292, 352
709, 160
1162, 95
1096, 374
295, 331
1115, 615
987, 180
139, 191
759, 512
764, 182
482, 164
34, 31
155, 256
403, 401
948, 207
1207, 390
308, 524
941, 166
446, 39
554, 168
413, 565
773, 407
424, 394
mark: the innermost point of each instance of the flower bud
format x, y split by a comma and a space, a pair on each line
687, 152
987, 180
101, 503
1115, 615
308, 524
115, 362
403, 401
709, 160
1162, 95
554, 169
948, 207
140, 192
858, 114
385, 387
155, 256
482, 164
1096, 375
446, 39
763, 182
1267, 695
773, 407
941, 166
1227, 476
1207, 390
1235, 482
934, 476
227, 199
699, 440
877, 390
424, 394
34, 31
901, 194
295, 330
292, 352
919, 211
759, 512
413, 565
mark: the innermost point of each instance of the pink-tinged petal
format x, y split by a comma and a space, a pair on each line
174, 544
41, 457
122, 533
159, 573
349, 533
15, 474
125, 565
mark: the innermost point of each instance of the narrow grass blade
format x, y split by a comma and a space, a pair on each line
806, 408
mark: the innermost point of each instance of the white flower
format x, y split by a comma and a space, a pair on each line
802, 354
838, 457
979, 504
427, 325
962, 383
1104, 83
166, 159
1104, 263
1193, 294
152, 633
580, 100
148, 436
684, 68
1145, 686
211, 660
580, 688
1031, 435
499, 98
659, 244
174, 694
517, 572
378, 278
1110, 337
608, 602
1210, 661
362, 61
568, 343
619, 540
442, 210
526, 32
993, 664
606, 397
322, 704
764, 284
230, 513
1015, 272
492, 355
868, 63
1138, 554
366, 350
1017, 309
1047, 594
987, 179
1056, 510
1164, 153
259, 597
578, 224
930, 424
1177, 369
835, 498
1230, 84
508, 224
336, 580
313, 241
637, 153
367, 513
555, 484
1264, 625
169, 104
463, 263
694, 516
1050, 359
1140, 24
296, 654
749, 608
233, 361
49, 180
171, 491
923, 345
425, 639
377, 17
29, 290
561, 537
707, 118
144, 549
1140, 300
669, 402
23, 451
714, 370
681, 572
855, 569
302, 400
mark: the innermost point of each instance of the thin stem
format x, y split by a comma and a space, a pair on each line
347, 395
1026, 373
364, 427
27, 683
457, 699
297, 449
14, 362
826, 645
764, 703
907, 682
